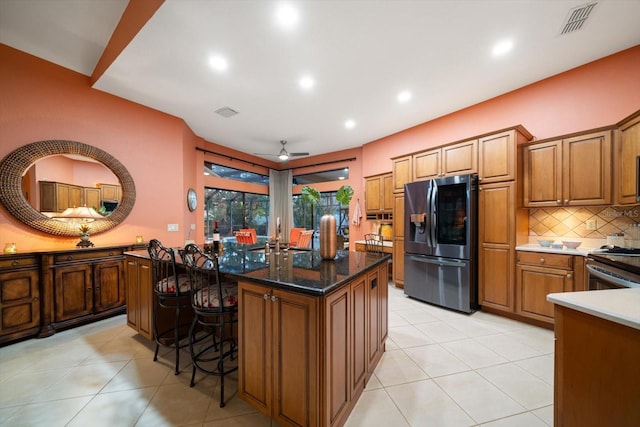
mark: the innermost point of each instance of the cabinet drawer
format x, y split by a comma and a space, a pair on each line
88, 255
546, 259
18, 262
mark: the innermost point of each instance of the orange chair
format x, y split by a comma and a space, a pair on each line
294, 235
253, 239
304, 240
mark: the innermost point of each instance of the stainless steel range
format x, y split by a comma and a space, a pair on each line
613, 268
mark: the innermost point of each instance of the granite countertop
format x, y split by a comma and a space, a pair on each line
302, 271
583, 251
617, 305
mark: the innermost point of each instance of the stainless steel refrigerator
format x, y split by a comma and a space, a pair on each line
441, 241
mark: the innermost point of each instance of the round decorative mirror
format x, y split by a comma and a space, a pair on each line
14, 166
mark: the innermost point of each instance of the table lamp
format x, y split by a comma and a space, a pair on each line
82, 216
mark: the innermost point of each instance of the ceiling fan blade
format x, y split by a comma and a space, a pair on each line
298, 154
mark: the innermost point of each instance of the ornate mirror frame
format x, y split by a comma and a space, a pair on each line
16, 163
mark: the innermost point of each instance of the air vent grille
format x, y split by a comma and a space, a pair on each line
577, 17
226, 112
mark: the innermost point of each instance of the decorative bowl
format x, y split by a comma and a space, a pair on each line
571, 245
556, 246
545, 243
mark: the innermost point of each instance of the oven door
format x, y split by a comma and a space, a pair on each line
602, 276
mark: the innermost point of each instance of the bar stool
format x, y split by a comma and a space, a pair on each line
374, 243
215, 303
171, 291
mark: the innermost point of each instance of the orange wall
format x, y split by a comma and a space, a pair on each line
597, 94
43, 101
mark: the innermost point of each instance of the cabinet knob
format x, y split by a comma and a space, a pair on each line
559, 202
69, 257
541, 260
566, 201
569, 276
15, 263
274, 298
266, 296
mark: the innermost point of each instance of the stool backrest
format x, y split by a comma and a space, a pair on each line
253, 236
166, 278
374, 243
304, 240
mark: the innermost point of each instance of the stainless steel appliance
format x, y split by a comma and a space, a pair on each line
440, 242
613, 269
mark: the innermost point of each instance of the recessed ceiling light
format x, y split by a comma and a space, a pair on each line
404, 96
341, 177
218, 63
287, 16
307, 82
502, 47
349, 124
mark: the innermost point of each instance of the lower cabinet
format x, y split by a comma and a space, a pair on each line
19, 297
278, 360
139, 295
537, 275
304, 360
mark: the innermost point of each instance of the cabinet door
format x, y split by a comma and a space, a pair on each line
402, 173
343, 371
48, 196
373, 340
295, 365
133, 294
108, 285
255, 346
110, 192
533, 284
372, 194
63, 197
73, 292
398, 215
398, 262
587, 169
383, 306
91, 197
358, 342
460, 158
497, 158
19, 301
145, 298
76, 195
427, 165
387, 193
496, 243
628, 150
543, 174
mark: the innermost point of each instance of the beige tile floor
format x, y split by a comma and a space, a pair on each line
440, 369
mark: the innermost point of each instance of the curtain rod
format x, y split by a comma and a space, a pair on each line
225, 156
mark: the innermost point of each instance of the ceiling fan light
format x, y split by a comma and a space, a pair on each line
283, 156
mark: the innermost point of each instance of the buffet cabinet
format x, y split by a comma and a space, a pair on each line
43, 292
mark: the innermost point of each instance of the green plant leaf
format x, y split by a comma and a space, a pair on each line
310, 195
344, 194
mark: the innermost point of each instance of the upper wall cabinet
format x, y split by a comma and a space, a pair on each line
574, 171
379, 194
402, 172
627, 150
497, 155
455, 159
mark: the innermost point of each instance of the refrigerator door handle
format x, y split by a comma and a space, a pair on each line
428, 217
434, 215
448, 263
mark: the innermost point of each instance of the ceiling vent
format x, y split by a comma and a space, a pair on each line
577, 17
226, 112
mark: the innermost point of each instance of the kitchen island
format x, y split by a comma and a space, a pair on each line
597, 358
310, 331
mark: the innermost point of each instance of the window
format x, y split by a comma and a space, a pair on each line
234, 210
226, 172
303, 216
323, 176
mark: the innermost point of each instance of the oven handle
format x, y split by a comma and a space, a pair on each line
439, 261
611, 278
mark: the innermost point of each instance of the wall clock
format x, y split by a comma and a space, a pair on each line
192, 199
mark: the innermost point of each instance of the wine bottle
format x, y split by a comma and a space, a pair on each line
216, 237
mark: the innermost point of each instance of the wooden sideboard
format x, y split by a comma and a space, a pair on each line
46, 291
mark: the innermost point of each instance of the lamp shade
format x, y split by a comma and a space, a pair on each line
81, 212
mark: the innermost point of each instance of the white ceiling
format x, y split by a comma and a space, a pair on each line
361, 54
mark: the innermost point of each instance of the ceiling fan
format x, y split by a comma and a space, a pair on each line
284, 154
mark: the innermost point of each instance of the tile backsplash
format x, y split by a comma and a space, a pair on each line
572, 222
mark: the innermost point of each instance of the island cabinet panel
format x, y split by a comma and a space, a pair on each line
374, 345
344, 362
19, 297
278, 357
139, 295
359, 357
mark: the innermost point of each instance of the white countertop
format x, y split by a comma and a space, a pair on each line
617, 305
537, 248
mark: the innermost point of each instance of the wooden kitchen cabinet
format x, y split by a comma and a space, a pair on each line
574, 171
379, 194
537, 275
497, 159
19, 297
398, 240
402, 172
627, 150
58, 196
496, 245
278, 332
91, 197
139, 295
110, 192
455, 159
